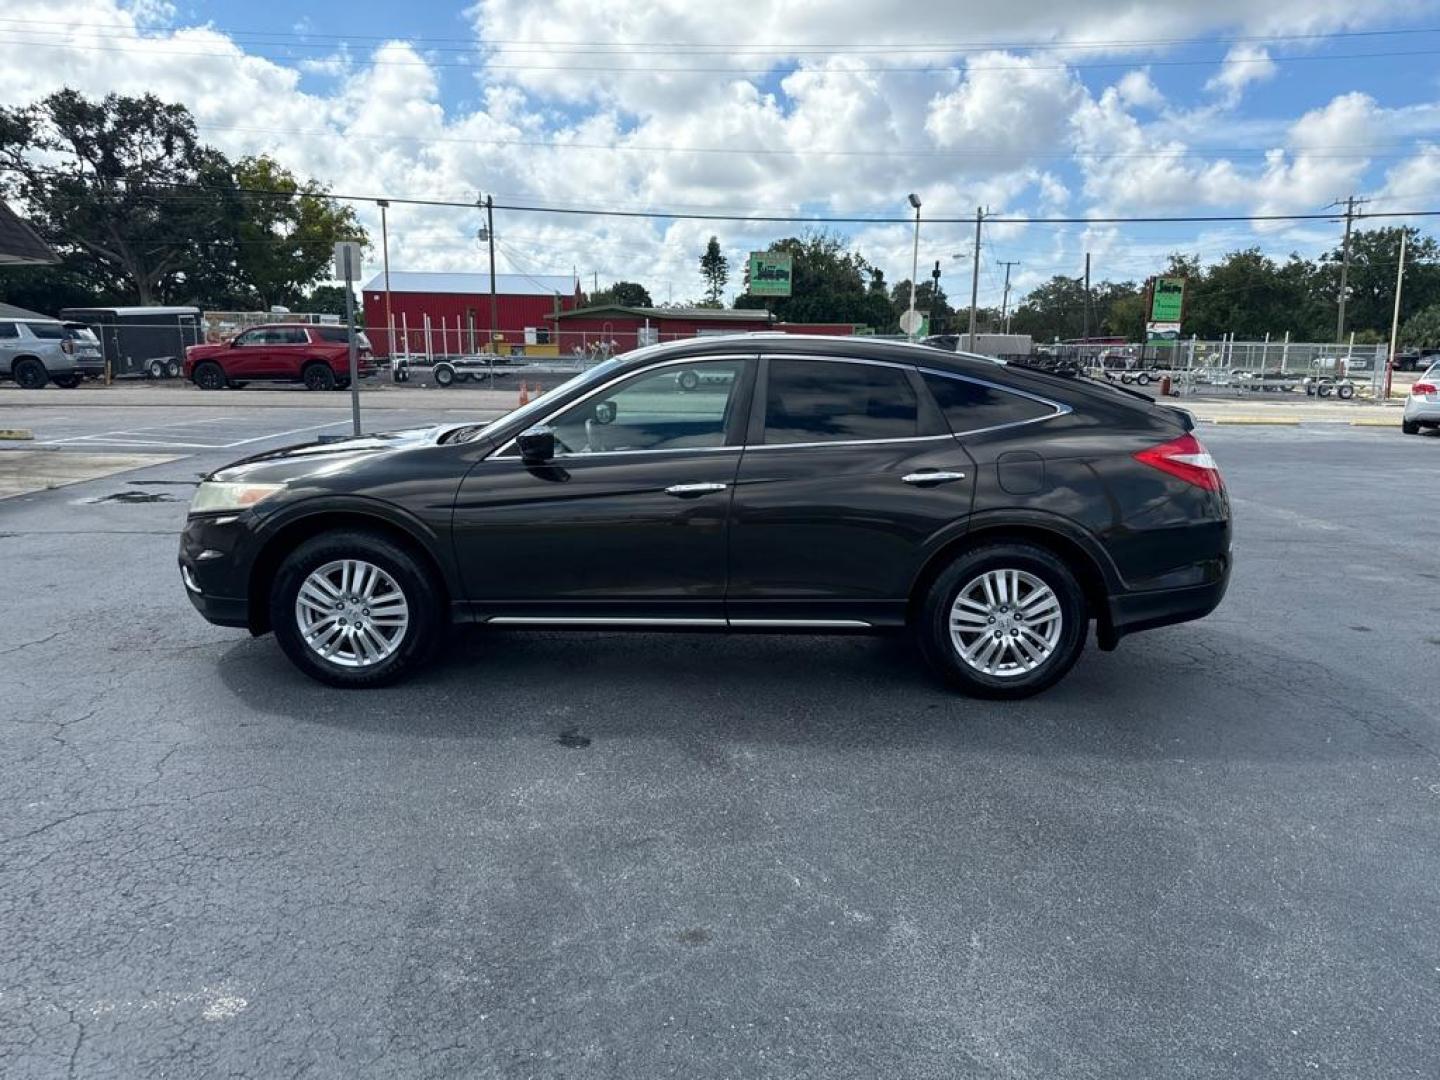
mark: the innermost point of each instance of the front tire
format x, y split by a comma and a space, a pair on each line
355, 609
1003, 621
208, 376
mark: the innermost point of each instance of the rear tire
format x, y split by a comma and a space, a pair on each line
156, 369
444, 375
30, 374
1409, 427
318, 377
209, 376
172, 369
422, 601
67, 382
1035, 649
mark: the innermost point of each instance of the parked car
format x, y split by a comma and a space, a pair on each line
318, 356
37, 351
819, 484
1422, 404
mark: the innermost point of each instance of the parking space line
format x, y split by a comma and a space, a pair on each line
138, 438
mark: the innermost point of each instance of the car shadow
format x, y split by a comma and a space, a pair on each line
1206, 691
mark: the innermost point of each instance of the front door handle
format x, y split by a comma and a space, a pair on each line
933, 477
689, 491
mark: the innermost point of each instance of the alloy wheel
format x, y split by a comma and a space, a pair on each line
351, 613
1005, 623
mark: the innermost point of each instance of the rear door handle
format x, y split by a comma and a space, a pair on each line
935, 477
689, 491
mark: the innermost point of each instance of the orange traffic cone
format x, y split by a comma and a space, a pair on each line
524, 394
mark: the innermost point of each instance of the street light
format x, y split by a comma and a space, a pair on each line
914, 324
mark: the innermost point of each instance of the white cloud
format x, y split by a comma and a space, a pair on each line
1138, 91
1244, 64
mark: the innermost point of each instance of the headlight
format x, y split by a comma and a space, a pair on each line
214, 495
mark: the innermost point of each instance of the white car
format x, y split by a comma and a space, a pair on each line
1422, 406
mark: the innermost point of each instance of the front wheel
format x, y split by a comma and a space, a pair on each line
1003, 621
354, 609
208, 376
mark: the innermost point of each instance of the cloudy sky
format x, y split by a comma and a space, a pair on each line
1032, 108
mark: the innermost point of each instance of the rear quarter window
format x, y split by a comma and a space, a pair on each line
973, 406
335, 335
9, 330
46, 331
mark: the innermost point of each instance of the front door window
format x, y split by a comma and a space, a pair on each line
683, 407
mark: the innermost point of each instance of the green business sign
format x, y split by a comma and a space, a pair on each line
1167, 299
770, 273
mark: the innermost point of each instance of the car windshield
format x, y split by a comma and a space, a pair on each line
539, 405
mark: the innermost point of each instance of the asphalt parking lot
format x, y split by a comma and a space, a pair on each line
1211, 853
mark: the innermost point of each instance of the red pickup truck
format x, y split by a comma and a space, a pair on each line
318, 356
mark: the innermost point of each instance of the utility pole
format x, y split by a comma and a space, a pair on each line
913, 327
494, 302
975, 277
1395, 319
1350, 204
385, 255
1085, 337
1005, 301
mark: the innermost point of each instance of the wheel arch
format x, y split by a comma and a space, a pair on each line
286, 536
1082, 554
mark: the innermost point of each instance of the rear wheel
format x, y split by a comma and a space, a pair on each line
30, 374
172, 369
355, 609
444, 375
1409, 427
156, 369
1003, 621
67, 382
688, 380
208, 376
319, 377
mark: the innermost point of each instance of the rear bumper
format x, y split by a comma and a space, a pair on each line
1420, 411
1130, 613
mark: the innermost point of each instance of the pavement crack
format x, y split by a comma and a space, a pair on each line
30, 644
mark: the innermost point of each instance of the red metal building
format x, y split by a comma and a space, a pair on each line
447, 314
621, 329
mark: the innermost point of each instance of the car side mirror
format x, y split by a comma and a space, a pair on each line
537, 445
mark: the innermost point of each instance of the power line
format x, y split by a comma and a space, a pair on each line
843, 219
938, 69
68, 26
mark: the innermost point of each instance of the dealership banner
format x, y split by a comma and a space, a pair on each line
769, 273
1167, 300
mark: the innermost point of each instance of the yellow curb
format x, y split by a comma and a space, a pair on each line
1277, 421
16, 434
1374, 421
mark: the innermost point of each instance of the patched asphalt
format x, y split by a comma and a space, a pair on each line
1211, 853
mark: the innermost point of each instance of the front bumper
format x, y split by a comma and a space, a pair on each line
214, 567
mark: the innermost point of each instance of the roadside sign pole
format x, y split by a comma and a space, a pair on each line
347, 269
1395, 319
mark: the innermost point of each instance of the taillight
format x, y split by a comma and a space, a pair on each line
1423, 388
67, 345
1186, 458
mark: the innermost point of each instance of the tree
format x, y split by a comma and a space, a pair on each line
329, 300
623, 294
1374, 258
123, 182
1422, 330
141, 211
930, 300
828, 283
284, 243
715, 269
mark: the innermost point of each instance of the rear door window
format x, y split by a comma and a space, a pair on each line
976, 406
289, 335
47, 331
809, 401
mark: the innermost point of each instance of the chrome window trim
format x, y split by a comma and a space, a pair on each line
620, 377
847, 442
1061, 409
